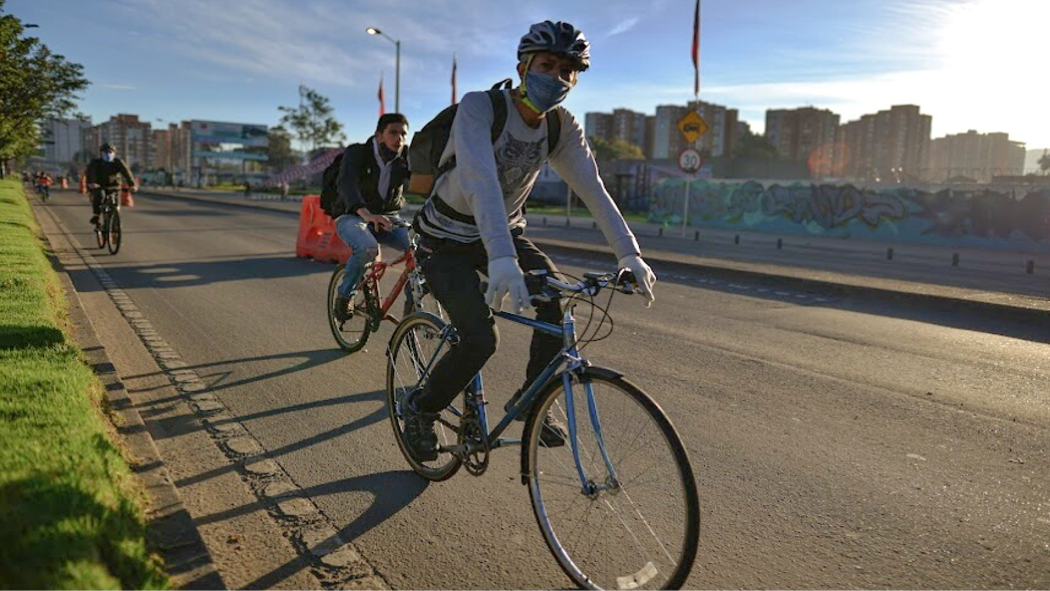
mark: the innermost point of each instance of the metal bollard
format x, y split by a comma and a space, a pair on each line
696, 236
889, 254
736, 239
1030, 268
780, 243
955, 259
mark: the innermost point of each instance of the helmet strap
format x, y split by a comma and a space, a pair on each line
524, 88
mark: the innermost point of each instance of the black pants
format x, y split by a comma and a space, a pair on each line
451, 272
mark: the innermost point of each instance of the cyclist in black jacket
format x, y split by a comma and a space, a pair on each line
104, 173
372, 178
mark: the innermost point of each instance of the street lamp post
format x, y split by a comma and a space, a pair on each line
397, 66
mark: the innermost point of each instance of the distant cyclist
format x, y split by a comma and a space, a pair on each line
372, 179
104, 174
473, 221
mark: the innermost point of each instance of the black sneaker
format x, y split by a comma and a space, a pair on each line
419, 431
94, 220
553, 433
342, 309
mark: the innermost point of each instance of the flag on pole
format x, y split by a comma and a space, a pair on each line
453, 78
382, 106
696, 51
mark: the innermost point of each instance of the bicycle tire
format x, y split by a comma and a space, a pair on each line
113, 233
555, 489
407, 356
100, 233
352, 335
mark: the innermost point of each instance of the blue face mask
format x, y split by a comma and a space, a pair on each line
543, 92
107, 156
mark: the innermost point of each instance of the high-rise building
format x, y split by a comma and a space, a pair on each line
806, 135
720, 139
63, 139
979, 156
622, 124
133, 140
888, 146
598, 125
172, 148
227, 152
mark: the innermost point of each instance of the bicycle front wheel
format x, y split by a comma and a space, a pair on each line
100, 232
351, 334
113, 233
633, 520
413, 347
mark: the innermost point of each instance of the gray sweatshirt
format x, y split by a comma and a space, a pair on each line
481, 198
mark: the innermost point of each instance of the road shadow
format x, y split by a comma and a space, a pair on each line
163, 275
1023, 324
375, 416
391, 492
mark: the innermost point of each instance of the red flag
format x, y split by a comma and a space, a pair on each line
382, 106
696, 50
453, 78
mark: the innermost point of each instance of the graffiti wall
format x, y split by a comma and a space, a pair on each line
980, 219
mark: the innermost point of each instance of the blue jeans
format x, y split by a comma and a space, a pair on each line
364, 243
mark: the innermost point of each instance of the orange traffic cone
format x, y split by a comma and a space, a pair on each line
83, 184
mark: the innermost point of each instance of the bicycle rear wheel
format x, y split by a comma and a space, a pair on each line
352, 334
635, 527
113, 232
412, 347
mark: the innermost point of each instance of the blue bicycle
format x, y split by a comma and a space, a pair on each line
618, 505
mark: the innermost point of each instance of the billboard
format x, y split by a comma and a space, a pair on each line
218, 132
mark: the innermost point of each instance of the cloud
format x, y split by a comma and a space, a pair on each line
119, 86
623, 26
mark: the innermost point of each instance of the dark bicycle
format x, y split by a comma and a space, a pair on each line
107, 228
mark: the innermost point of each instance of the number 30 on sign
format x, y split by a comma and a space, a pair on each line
689, 160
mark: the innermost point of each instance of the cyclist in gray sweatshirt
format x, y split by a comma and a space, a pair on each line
473, 221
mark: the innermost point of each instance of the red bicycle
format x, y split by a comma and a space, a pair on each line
366, 312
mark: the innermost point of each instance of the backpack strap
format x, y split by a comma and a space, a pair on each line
553, 130
499, 111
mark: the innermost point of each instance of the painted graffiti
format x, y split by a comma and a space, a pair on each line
978, 218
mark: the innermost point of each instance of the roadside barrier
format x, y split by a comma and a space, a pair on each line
126, 200
317, 238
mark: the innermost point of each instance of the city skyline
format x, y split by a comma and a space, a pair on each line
190, 62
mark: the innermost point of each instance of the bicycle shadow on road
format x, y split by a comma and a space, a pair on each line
391, 492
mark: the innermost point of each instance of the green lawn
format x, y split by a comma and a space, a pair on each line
70, 512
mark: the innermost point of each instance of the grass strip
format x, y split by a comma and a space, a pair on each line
70, 512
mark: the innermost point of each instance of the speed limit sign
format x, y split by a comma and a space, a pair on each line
689, 160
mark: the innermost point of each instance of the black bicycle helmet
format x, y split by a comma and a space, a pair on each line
559, 38
107, 148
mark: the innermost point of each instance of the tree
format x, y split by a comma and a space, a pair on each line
1044, 162
35, 84
608, 151
279, 153
754, 146
312, 120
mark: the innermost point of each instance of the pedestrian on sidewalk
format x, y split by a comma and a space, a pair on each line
247, 189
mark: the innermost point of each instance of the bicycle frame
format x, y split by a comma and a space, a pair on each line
568, 357
375, 274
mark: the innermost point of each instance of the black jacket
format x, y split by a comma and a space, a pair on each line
359, 180
107, 174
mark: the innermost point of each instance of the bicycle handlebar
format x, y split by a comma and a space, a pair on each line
622, 281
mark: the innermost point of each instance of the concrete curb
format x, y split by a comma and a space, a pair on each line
794, 280
170, 528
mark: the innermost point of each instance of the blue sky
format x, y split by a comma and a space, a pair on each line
972, 64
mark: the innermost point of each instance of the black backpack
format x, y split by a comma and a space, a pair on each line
330, 201
424, 155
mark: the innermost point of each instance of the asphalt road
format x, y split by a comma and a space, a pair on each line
838, 442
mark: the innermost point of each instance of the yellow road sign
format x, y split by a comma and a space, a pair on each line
692, 126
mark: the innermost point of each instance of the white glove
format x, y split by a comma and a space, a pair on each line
506, 278
642, 273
